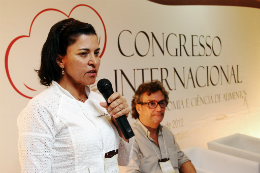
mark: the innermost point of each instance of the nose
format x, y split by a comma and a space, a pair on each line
92, 60
158, 108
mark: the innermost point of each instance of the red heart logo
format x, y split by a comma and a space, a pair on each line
23, 36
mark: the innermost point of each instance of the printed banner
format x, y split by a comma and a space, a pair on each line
206, 55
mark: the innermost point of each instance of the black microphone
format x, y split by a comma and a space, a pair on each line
105, 88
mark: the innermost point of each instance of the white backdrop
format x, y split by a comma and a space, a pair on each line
206, 56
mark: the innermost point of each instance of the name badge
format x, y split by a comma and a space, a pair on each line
111, 162
166, 166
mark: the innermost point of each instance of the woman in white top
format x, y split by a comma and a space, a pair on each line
66, 128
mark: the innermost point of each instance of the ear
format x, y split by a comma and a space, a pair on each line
59, 61
138, 108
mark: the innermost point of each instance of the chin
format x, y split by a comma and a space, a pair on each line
90, 81
158, 119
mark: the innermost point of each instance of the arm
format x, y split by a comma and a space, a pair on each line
125, 152
184, 163
134, 165
187, 167
36, 138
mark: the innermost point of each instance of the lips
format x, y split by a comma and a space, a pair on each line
161, 114
92, 72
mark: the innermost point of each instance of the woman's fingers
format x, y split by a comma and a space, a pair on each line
118, 105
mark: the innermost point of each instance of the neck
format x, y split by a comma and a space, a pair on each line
153, 129
76, 90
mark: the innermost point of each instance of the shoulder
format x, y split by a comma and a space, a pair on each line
138, 131
41, 106
137, 135
166, 129
38, 117
134, 126
47, 98
167, 132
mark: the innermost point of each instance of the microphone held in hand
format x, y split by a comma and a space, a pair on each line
105, 88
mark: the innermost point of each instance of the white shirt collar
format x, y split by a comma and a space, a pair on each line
54, 83
147, 132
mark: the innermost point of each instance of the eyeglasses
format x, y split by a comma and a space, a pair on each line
154, 104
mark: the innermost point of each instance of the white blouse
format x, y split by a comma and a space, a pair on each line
60, 134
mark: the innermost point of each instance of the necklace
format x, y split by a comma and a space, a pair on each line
82, 100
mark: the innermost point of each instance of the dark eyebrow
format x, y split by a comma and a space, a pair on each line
161, 101
156, 101
86, 49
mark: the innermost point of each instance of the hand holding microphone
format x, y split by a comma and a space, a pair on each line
118, 107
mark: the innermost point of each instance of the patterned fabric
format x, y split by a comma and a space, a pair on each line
144, 157
60, 134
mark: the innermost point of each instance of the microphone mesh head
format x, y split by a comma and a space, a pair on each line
104, 85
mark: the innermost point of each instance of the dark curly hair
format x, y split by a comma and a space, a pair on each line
61, 35
150, 87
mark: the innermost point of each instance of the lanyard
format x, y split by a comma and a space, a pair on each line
154, 149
